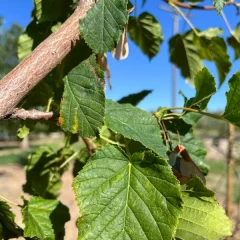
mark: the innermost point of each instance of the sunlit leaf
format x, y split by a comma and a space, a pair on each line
205, 87
202, 217
122, 197
45, 219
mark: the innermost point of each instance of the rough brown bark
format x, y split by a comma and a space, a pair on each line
50, 53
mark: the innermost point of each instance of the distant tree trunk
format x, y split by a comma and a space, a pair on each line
230, 171
24, 145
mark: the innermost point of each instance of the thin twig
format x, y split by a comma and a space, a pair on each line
184, 16
9, 201
22, 114
226, 22
197, 7
187, 110
228, 25
188, 16
49, 104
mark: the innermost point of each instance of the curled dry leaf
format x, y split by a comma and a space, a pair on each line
186, 168
122, 50
103, 63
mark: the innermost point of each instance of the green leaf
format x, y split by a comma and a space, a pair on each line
123, 197
45, 219
38, 96
1, 231
213, 48
23, 132
202, 217
51, 10
135, 123
129, 5
194, 147
8, 227
234, 41
82, 107
185, 54
105, 22
205, 87
32, 37
232, 110
219, 5
190, 118
135, 98
43, 173
146, 32
211, 33
80, 161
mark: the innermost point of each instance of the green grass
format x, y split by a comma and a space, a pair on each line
20, 158
217, 167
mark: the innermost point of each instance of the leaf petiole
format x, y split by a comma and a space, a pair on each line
9, 201
111, 141
157, 114
184, 16
69, 159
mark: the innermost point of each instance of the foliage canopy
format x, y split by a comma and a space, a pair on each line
133, 180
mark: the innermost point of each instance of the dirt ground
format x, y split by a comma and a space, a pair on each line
11, 179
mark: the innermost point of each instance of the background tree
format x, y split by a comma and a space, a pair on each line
8, 47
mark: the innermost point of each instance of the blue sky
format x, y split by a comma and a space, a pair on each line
137, 73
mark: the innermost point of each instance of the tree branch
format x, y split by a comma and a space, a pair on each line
196, 7
90, 147
22, 114
15, 85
